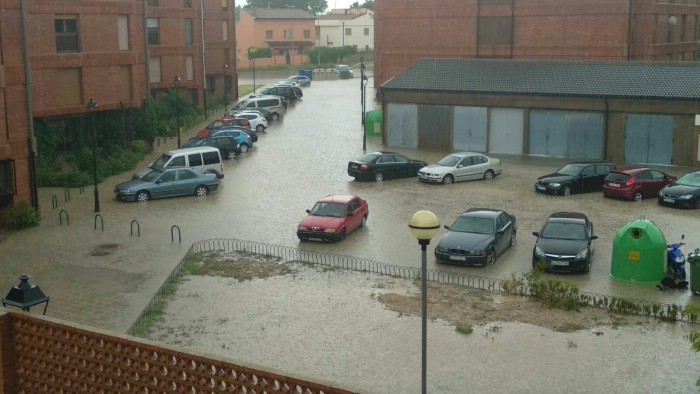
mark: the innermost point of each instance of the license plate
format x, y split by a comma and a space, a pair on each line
560, 263
315, 239
614, 184
355, 166
669, 200
540, 187
458, 258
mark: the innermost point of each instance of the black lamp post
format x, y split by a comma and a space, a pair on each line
363, 84
424, 226
25, 295
176, 81
225, 88
91, 105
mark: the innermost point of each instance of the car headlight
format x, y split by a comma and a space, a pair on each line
441, 249
329, 230
302, 228
661, 192
124, 191
539, 252
477, 253
685, 197
555, 184
582, 254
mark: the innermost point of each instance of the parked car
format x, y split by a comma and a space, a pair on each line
378, 166
221, 123
564, 243
683, 193
577, 177
297, 90
635, 183
227, 145
344, 71
251, 133
240, 135
257, 121
286, 92
203, 158
333, 217
477, 237
263, 112
463, 166
170, 182
275, 104
302, 80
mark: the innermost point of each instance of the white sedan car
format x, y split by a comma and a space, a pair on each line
257, 121
463, 166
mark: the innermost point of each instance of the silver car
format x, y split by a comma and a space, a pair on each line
458, 167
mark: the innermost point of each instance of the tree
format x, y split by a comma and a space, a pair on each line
314, 7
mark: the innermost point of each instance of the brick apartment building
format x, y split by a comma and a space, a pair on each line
57, 55
650, 30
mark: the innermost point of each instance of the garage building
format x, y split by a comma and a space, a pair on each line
626, 112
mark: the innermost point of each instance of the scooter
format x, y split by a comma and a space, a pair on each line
675, 261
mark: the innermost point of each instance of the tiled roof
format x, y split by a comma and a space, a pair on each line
278, 13
669, 80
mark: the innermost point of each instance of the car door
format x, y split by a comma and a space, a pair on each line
478, 167
644, 182
657, 182
588, 179
503, 232
387, 166
463, 169
403, 167
185, 182
164, 186
354, 215
601, 171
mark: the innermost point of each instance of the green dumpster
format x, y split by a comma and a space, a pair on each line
639, 253
374, 123
694, 263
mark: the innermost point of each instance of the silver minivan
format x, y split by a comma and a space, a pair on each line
274, 104
203, 158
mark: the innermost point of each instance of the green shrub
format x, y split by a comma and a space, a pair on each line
22, 215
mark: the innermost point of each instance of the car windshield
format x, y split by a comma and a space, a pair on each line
151, 176
473, 224
449, 161
368, 158
328, 209
160, 163
572, 231
692, 179
570, 169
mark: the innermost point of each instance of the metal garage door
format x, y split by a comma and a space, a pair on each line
434, 124
402, 127
649, 139
506, 130
572, 134
470, 129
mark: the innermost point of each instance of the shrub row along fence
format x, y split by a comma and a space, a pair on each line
549, 289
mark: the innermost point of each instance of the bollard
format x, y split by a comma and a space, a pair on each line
101, 222
138, 227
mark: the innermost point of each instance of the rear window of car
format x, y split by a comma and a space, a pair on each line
368, 158
211, 157
617, 177
195, 159
268, 103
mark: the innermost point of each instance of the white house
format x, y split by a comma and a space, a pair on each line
341, 27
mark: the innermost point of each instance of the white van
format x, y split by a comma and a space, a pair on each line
274, 104
203, 158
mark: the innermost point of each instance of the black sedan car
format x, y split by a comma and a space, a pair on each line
564, 243
477, 237
683, 193
379, 166
578, 177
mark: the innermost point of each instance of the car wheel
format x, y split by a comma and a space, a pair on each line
232, 155
489, 175
566, 191
143, 196
341, 236
260, 128
512, 238
447, 180
637, 196
364, 221
491, 257
378, 176
244, 148
201, 191
275, 116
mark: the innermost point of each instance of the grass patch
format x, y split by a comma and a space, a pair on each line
464, 329
157, 310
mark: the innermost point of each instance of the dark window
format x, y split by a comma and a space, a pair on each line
465, 162
588, 171
617, 177
601, 169
268, 34
152, 3
177, 161
188, 32
501, 221
495, 30
478, 159
195, 160
307, 34
211, 158
644, 175
386, 159
185, 174
400, 159
167, 176
66, 29
188, 3
153, 31
8, 188
657, 175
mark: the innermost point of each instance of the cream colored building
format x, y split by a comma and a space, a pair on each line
342, 27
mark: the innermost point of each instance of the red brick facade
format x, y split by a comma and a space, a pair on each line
408, 30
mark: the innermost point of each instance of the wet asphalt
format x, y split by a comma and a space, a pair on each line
106, 278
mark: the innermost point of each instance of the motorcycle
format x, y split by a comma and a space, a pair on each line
675, 261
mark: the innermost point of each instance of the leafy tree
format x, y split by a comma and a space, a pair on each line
314, 7
259, 53
369, 4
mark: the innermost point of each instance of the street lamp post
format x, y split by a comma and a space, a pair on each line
176, 81
91, 105
363, 84
225, 88
424, 225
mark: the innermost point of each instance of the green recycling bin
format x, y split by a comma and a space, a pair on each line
374, 123
639, 253
694, 263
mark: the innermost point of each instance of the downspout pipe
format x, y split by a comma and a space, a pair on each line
147, 51
204, 59
31, 140
630, 20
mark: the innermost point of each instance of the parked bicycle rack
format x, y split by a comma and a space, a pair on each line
60, 217
54, 202
172, 234
138, 227
102, 223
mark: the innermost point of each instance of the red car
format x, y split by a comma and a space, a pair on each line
333, 217
221, 123
635, 183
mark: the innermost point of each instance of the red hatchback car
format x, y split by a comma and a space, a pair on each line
635, 183
221, 123
333, 217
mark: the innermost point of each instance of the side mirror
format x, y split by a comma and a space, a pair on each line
593, 237
159, 181
446, 227
536, 233
308, 211
682, 237
500, 232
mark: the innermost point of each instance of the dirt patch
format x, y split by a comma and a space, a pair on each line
459, 305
